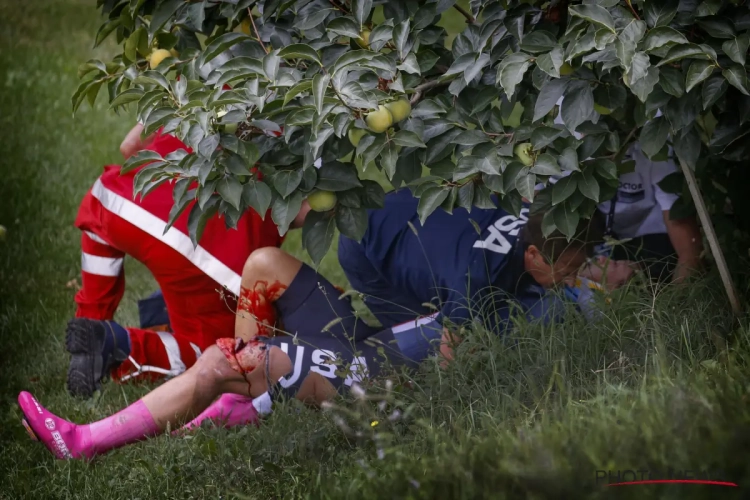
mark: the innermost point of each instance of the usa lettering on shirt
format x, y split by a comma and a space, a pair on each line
508, 225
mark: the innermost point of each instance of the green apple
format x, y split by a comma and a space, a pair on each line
379, 121
523, 153
566, 69
400, 110
322, 201
356, 135
231, 128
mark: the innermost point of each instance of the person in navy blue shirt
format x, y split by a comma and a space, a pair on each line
467, 266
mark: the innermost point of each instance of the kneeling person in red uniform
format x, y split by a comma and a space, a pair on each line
199, 284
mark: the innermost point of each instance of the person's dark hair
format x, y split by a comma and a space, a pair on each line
588, 234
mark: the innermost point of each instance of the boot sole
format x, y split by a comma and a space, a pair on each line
84, 345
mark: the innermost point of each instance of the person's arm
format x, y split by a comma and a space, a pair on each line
684, 234
299, 221
133, 142
686, 239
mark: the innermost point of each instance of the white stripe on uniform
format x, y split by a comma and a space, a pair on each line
96, 238
174, 238
101, 266
176, 366
413, 324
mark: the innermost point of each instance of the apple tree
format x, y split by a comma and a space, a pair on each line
461, 119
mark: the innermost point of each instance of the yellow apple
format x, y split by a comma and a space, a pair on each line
379, 121
400, 110
245, 26
174, 53
322, 201
364, 39
157, 57
523, 153
356, 135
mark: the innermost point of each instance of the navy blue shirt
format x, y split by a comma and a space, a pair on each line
468, 271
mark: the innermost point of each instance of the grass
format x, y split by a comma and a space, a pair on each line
534, 415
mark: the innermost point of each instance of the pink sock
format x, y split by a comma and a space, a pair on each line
229, 410
68, 440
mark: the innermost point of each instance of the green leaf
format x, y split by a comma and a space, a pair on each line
162, 13
430, 200
639, 66
408, 139
642, 88
344, 26
538, 41
563, 188
300, 51
672, 81
141, 158
551, 61
293, 92
698, 71
688, 147
549, 94
351, 222
335, 176
286, 181
545, 164
285, 210
566, 220
361, 9
389, 159
525, 183
258, 196
319, 86
568, 159
198, 218
312, 20
654, 135
126, 97
737, 77
493, 182
220, 44
712, 90
401, 38
717, 27
230, 190
660, 12
470, 138
410, 65
512, 75
605, 168
594, 14
543, 136
678, 52
736, 48
578, 105
317, 234
658, 37
588, 186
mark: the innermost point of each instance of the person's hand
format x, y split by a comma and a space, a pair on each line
611, 273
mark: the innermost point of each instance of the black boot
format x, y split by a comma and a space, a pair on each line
84, 340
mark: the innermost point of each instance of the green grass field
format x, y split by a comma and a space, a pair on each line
534, 415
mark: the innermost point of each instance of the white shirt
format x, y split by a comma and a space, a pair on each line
640, 201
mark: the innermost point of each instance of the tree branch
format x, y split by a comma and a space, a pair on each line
420, 89
469, 18
633, 10
255, 28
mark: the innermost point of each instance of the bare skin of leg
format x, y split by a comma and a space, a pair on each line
182, 398
266, 275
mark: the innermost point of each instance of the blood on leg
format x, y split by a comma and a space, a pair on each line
258, 303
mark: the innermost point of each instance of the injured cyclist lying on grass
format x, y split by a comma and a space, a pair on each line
235, 381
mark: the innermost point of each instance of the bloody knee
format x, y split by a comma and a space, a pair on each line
243, 357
